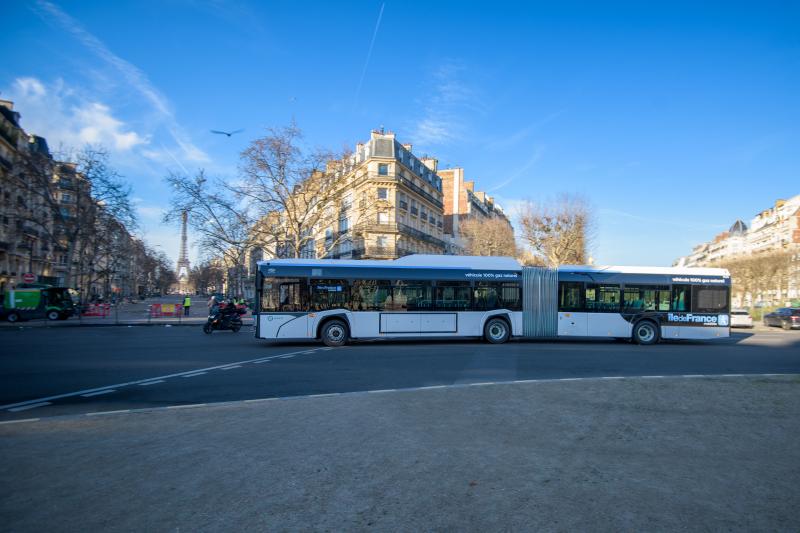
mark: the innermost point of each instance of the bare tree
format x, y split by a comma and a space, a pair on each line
558, 232
493, 236
223, 224
298, 193
763, 277
72, 206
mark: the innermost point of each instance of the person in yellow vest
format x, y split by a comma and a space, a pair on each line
187, 303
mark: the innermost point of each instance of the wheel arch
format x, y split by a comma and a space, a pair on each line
502, 315
653, 320
327, 318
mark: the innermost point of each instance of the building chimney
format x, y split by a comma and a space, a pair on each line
407, 147
431, 162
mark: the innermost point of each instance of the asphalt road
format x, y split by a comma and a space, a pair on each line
63, 371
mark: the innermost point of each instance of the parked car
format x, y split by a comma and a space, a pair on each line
740, 318
785, 317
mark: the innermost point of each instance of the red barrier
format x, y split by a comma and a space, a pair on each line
165, 310
101, 310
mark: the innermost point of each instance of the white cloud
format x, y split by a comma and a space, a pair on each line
134, 77
64, 118
445, 108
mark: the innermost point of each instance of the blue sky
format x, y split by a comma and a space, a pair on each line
673, 119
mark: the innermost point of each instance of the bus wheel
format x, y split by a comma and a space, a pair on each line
496, 331
12, 317
334, 333
52, 315
645, 332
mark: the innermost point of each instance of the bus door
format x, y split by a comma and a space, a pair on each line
284, 312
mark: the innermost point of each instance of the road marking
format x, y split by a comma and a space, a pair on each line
693, 376
652, 377
377, 391
361, 393
186, 406
230, 367
193, 374
732, 375
151, 383
29, 406
98, 393
137, 382
259, 362
18, 421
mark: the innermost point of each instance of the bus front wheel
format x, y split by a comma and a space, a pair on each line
334, 333
645, 332
13, 317
496, 331
53, 315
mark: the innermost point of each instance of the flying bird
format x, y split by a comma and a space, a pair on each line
226, 133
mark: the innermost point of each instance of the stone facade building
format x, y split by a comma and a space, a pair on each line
390, 205
461, 202
772, 231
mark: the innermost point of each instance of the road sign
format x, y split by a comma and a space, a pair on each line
29, 277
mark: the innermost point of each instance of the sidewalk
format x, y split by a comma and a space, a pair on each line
632, 454
129, 314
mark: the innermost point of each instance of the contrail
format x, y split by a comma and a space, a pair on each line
369, 55
132, 74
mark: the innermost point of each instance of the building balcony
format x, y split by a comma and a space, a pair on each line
402, 229
375, 252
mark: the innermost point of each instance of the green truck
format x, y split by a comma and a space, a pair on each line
30, 302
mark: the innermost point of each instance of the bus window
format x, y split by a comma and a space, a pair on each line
636, 299
284, 295
453, 296
410, 296
570, 296
710, 299
329, 294
369, 295
681, 297
602, 298
494, 295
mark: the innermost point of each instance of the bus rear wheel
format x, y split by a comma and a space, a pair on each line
496, 331
13, 317
645, 332
53, 315
334, 333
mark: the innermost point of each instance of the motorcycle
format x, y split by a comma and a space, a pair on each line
224, 320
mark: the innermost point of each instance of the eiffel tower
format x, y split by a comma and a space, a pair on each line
183, 260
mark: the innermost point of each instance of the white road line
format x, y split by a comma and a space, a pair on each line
28, 406
18, 421
359, 393
732, 375
230, 367
259, 362
151, 383
381, 390
193, 374
185, 406
137, 382
98, 393
651, 377
693, 376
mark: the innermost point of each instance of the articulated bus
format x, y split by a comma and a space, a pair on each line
490, 297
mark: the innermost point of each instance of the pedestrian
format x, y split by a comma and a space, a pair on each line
187, 303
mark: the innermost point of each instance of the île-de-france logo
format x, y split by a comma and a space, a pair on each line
722, 320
